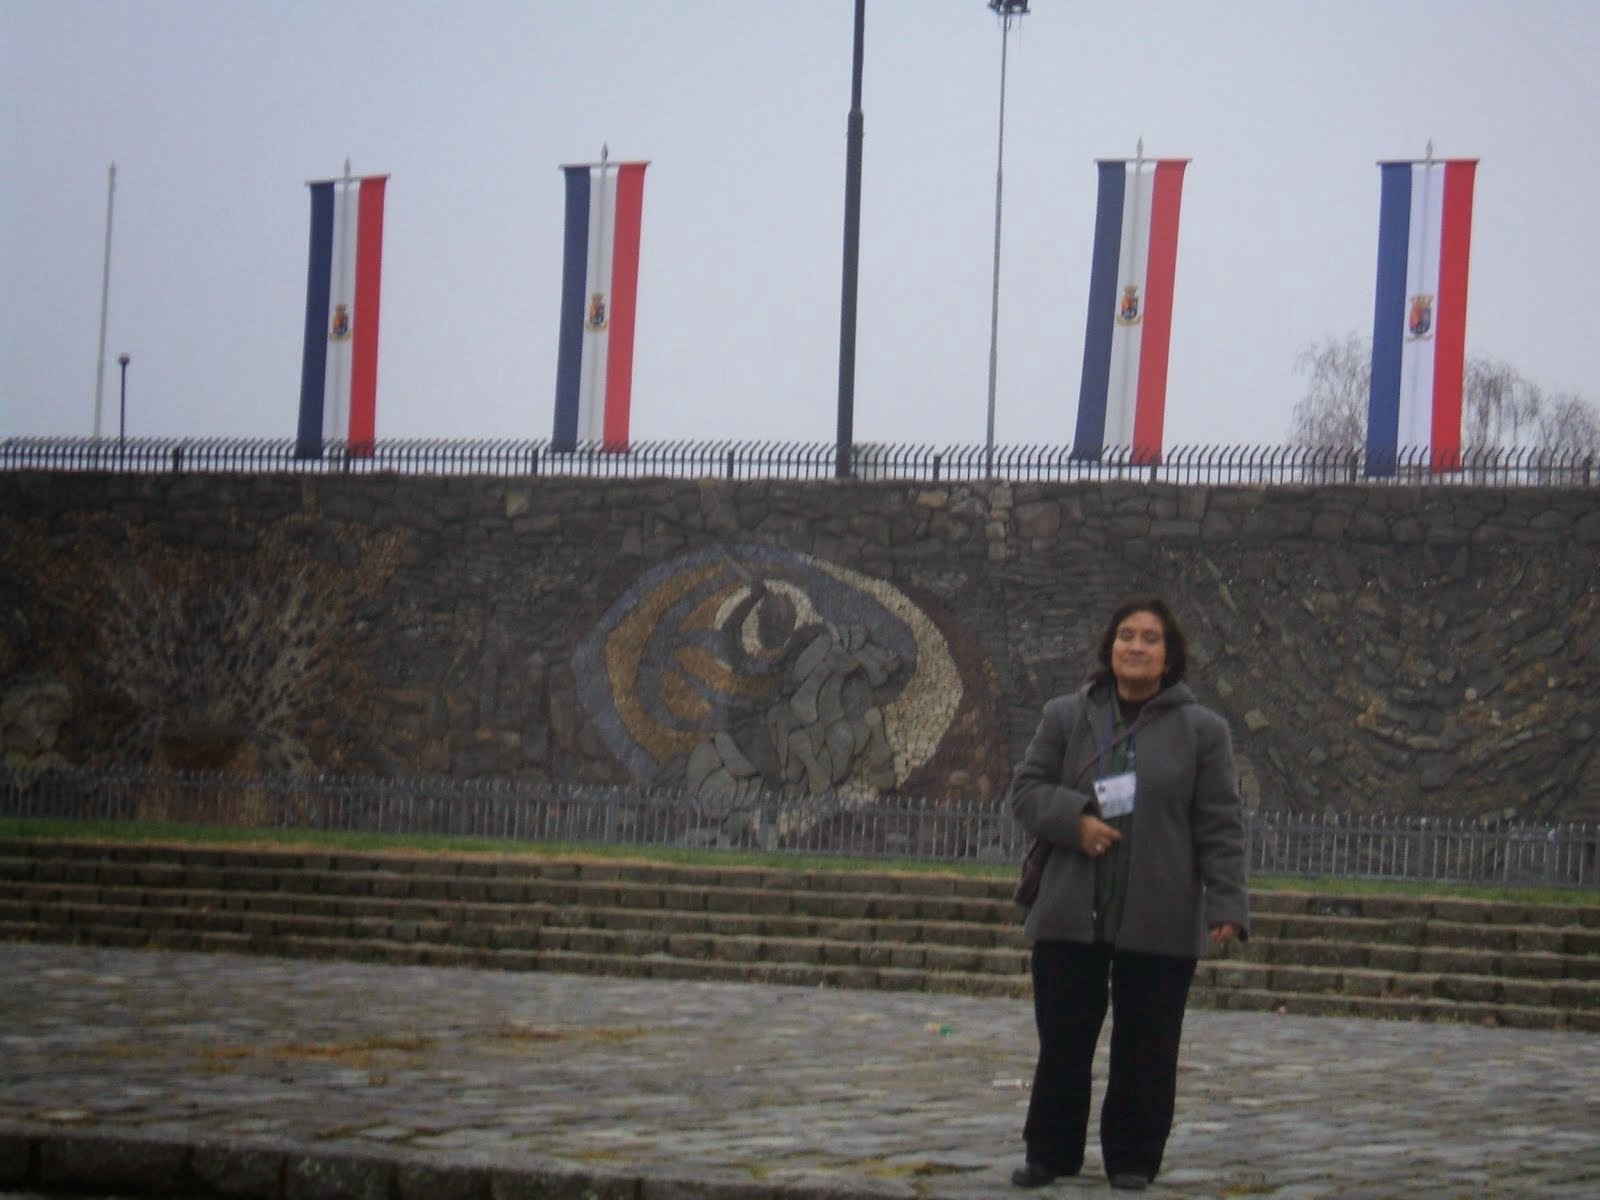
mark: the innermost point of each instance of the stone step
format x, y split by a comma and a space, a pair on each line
164, 923
995, 891
56, 857
653, 964
329, 893
1433, 933
1325, 941
1573, 994
246, 931
1207, 992
1314, 1004
772, 899
375, 886
255, 908
1429, 958
1446, 908
541, 922
1323, 952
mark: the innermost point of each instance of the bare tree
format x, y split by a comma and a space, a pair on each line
1500, 407
1333, 412
1569, 422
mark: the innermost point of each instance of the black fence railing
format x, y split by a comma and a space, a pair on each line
1220, 465
1294, 845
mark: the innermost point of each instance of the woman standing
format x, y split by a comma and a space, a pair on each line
1131, 783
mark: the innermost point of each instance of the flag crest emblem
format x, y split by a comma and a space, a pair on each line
596, 320
1419, 317
1128, 306
341, 324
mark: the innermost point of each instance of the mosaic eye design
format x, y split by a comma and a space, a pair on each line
738, 669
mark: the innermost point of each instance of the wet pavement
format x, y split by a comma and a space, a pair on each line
546, 1084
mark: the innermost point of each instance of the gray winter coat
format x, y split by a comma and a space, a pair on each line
1187, 870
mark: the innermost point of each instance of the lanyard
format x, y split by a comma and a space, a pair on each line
1108, 742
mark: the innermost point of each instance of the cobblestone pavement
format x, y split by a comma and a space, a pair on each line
769, 1089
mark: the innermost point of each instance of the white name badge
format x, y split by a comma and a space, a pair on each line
1115, 795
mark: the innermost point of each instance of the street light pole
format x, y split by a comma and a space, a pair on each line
1007, 11
122, 421
852, 257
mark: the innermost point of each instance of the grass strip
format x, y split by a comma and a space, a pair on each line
161, 833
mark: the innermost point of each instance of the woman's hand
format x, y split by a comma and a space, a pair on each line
1095, 837
1224, 931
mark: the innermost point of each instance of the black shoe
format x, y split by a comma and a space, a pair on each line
1032, 1175
1127, 1181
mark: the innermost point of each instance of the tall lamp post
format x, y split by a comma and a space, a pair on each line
852, 258
122, 421
1007, 11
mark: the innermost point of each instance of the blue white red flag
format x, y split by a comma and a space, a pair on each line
599, 290
339, 369
1123, 397
1419, 324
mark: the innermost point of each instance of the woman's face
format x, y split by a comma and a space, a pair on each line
1139, 655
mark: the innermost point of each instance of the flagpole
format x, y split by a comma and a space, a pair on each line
105, 296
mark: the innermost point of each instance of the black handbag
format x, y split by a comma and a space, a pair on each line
1032, 872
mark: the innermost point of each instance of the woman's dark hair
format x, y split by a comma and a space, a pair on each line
1177, 648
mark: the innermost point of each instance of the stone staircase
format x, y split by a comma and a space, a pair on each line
1509, 963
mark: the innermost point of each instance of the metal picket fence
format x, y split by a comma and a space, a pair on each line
1257, 465
1424, 848
1283, 844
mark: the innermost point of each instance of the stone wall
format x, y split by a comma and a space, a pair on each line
1376, 649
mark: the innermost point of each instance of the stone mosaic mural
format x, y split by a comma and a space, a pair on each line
738, 670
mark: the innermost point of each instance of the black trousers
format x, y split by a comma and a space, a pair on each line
1147, 994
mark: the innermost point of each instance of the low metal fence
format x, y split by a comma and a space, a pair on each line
1429, 849
933, 831
1263, 465
615, 816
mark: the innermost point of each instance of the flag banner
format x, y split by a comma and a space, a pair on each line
1122, 400
339, 370
599, 290
1419, 324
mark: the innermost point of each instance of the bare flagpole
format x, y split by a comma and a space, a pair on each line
105, 295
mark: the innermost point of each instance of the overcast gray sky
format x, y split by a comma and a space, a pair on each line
217, 113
